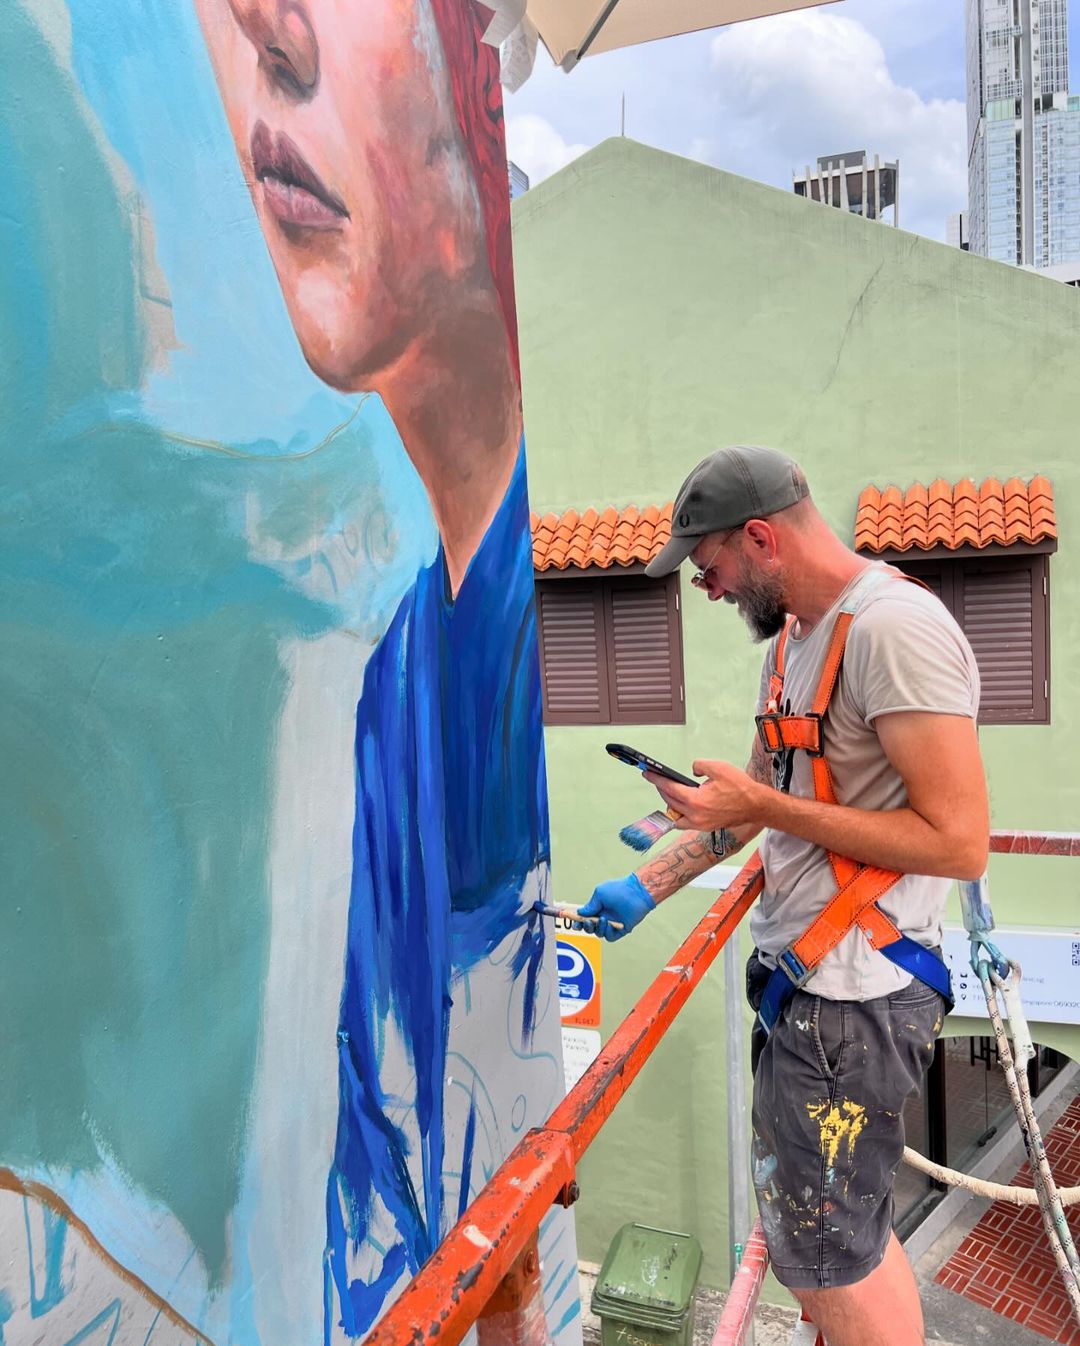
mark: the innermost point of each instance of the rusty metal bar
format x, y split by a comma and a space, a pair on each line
1035, 843
742, 1298
446, 1296
450, 1291
588, 1105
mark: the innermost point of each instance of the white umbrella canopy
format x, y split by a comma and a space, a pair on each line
571, 29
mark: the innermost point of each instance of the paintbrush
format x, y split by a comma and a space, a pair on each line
647, 831
570, 914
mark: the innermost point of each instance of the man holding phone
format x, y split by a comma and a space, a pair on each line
866, 778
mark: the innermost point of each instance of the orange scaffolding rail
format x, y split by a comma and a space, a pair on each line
494, 1241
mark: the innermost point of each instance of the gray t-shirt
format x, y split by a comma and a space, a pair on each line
904, 652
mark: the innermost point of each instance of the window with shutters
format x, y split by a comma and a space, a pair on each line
1002, 602
610, 648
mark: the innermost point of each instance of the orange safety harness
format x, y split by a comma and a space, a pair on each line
858, 886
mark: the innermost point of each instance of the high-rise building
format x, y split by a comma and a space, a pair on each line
956, 231
519, 180
852, 183
1023, 133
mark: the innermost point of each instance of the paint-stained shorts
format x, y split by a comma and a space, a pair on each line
830, 1083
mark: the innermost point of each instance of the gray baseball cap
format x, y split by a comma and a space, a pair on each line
732, 485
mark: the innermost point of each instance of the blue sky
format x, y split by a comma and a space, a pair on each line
763, 98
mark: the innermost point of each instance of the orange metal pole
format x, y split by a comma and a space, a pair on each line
447, 1295
449, 1292
592, 1100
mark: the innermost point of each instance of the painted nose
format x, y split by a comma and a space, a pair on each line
282, 33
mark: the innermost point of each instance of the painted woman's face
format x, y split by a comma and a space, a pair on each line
344, 125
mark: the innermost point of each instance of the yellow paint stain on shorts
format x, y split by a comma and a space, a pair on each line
839, 1123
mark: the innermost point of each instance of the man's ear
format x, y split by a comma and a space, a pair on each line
760, 534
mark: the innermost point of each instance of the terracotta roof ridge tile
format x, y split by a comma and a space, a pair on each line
592, 539
955, 515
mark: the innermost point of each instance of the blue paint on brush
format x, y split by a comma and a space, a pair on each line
451, 816
647, 831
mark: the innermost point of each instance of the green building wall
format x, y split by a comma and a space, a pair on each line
667, 308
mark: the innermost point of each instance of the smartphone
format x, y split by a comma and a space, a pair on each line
632, 757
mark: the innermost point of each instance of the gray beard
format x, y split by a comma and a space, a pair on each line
762, 611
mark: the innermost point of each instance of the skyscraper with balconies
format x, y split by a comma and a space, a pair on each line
1023, 133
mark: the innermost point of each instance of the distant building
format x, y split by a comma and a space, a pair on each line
519, 180
956, 231
850, 182
1023, 133
1066, 272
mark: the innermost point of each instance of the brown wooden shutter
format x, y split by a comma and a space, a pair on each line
645, 672
1002, 608
610, 649
573, 664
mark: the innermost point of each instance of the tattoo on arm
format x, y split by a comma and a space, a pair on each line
675, 867
759, 767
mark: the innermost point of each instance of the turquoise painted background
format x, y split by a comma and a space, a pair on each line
201, 544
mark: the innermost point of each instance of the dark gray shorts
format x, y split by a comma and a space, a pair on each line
830, 1083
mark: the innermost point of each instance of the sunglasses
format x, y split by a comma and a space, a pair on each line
700, 578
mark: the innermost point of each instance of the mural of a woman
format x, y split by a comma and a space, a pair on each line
370, 137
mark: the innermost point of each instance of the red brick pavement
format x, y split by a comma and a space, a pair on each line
1005, 1262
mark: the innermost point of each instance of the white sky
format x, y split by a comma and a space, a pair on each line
766, 97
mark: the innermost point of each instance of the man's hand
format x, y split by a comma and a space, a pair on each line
624, 900
729, 797
943, 829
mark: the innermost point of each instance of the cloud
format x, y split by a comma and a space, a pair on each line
790, 88
535, 145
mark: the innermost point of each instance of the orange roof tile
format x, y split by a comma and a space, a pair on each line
590, 539
950, 515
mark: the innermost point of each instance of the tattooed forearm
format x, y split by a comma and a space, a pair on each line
759, 767
692, 855
675, 867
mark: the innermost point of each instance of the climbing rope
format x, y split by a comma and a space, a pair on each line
1053, 1213
994, 1191
1000, 977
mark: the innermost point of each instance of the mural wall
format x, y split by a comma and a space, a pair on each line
272, 808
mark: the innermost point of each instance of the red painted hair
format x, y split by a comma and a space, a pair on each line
474, 79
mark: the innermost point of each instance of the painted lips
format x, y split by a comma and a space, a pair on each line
293, 191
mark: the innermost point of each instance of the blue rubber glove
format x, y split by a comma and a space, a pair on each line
624, 900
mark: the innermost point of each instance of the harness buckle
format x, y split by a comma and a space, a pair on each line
770, 728
793, 967
769, 731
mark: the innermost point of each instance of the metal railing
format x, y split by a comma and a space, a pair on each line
496, 1235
